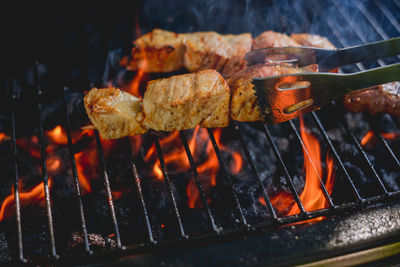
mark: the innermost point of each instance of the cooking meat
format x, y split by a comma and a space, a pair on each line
273, 39
184, 101
312, 40
157, 51
114, 113
244, 102
205, 50
241, 44
210, 50
164, 51
380, 99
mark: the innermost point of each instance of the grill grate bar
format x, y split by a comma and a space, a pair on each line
75, 177
335, 154
196, 177
396, 122
254, 172
14, 156
160, 155
383, 34
388, 15
228, 179
283, 166
140, 193
388, 148
343, 122
44, 164
324, 191
108, 189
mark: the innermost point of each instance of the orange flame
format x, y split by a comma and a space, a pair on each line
312, 196
2, 136
207, 170
370, 138
36, 194
58, 135
80, 167
367, 138
134, 85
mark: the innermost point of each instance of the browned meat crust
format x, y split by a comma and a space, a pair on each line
164, 51
157, 51
273, 39
312, 40
184, 101
380, 99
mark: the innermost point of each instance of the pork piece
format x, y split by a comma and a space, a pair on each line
269, 39
157, 51
312, 40
381, 99
244, 105
114, 113
164, 51
241, 44
184, 101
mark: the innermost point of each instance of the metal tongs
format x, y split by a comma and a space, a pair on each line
285, 97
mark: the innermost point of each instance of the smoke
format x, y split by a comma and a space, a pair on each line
333, 19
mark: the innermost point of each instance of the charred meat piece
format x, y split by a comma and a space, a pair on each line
157, 51
380, 99
312, 40
244, 102
114, 113
273, 39
184, 101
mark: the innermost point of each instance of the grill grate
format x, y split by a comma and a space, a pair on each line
236, 128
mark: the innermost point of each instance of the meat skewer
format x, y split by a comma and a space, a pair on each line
165, 51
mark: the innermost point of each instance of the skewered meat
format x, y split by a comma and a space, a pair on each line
164, 51
210, 50
183, 101
114, 113
241, 44
273, 39
312, 40
157, 51
244, 102
381, 99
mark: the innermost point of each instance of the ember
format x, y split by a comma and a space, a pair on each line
370, 137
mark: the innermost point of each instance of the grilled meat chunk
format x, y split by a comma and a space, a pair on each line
381, 99
205, 50
183, 101
241, 44
114, 113
164, 51
244, 101
273, 39
312, 40
210, 50
157, 51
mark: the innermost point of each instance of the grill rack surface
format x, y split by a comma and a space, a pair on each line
217, 231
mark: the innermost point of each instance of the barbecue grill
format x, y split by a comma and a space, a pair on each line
236, 221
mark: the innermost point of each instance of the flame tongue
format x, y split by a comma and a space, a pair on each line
312, 195
177, 160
